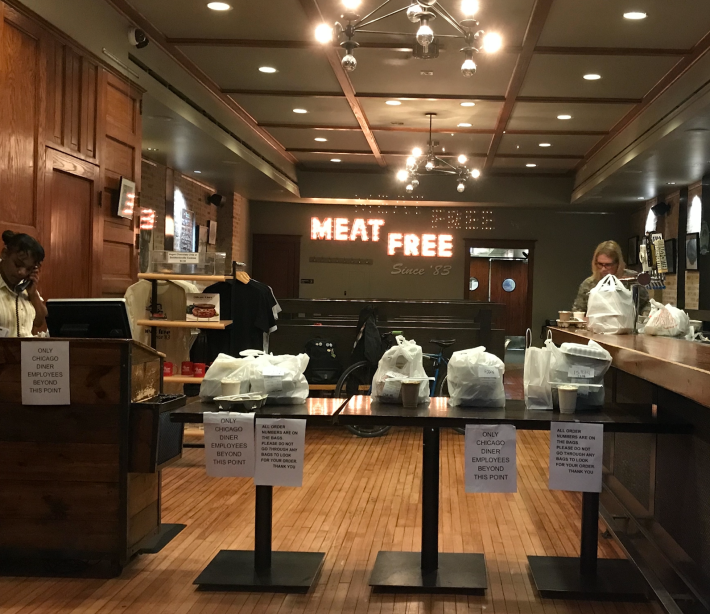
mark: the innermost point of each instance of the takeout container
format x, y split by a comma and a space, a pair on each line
410, 393
230, 387
241, 402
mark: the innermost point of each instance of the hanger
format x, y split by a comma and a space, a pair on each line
243, 277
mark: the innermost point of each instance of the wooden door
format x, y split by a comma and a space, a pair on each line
276, 261
70, 269
478, 276
509, 285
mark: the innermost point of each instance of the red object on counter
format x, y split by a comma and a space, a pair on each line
200, 368
188, 368
167, 369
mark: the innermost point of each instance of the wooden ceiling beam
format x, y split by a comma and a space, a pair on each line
625, 51
538, 17
314, 15
159, 40
400, 153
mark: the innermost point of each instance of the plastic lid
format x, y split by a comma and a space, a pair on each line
593, 350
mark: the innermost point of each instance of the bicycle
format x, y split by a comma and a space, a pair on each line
357, 380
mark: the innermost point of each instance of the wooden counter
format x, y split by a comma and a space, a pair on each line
677, 365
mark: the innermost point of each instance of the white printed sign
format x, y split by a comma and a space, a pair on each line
273, 378
490, 458
576, 451
488, 372
279, 449
229, 444
580, 372
45, 372
183, 258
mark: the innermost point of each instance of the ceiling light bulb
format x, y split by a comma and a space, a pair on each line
564, 117
468, 68
351, 5
468, 104
324, 33
461, 186
267, 69
492, 42
429, 165
635, 15
320, 139
335, 160
415, 182
349, 63
531, 165
393, 103
416, 152
301, 111
592, 77
425, 35
462, 159
475, 173
409, 188
402, 175
198, 172
463, 125
218, 6
413, 12
545, 144
411, 162
469, 7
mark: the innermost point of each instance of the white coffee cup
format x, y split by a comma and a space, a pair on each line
232, 387
579, 315
564, 316
567, 395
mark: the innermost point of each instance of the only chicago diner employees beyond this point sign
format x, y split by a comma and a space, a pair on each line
490, 458
45, 372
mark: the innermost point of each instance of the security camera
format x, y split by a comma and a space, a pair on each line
138, 38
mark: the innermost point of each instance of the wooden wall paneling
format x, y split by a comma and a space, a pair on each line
22, 100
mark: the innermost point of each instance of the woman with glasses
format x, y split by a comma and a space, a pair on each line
607, 259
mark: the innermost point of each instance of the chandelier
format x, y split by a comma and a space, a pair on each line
434, 165
422, 12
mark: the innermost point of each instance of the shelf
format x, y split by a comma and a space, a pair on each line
171, 276
221, 325
182, 379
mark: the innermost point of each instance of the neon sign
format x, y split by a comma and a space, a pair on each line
406, 244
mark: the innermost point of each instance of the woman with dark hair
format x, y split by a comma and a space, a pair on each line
22, 310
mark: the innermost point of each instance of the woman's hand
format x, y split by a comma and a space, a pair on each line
32, 290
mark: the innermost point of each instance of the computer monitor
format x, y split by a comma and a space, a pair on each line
88, 318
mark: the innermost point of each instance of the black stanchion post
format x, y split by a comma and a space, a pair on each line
262, 527
590, 530
430, 500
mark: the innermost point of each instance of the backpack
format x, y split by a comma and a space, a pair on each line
369, 344
323, 366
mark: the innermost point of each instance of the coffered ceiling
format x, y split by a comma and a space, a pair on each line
518, 93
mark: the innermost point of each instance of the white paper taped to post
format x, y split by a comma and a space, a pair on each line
229, 444
45, 373
576, 451
279, 449
490, 458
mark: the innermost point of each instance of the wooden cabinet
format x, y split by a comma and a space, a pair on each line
69, 130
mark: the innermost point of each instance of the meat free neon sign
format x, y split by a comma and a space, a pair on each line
398, 243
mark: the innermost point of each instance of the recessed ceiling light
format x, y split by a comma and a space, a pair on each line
300, 111
218, 6
320, 139
671, 183
153, 149
197, 172
393, 103
545, 144
427, 73
531, 165
592, 77
635, 15
640, 198
468, 104
564, 117
335, 160
267, 69
464, 125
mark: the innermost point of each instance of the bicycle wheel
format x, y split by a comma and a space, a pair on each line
357, 380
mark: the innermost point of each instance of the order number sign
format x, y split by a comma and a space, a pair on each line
580, 372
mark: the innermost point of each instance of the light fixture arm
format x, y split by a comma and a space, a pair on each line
446, 16
360, 25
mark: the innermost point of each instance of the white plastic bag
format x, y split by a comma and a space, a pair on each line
536, 375
280, 377
583, 365
667, 321
403, 361
610, 308
475, 379
224, 367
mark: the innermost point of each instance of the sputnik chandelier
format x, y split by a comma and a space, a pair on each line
434, 165
422, 12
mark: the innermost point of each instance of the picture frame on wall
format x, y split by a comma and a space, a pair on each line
212, 234
692, 251
671, 255
632, 257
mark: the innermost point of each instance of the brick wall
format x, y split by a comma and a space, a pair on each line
233, 229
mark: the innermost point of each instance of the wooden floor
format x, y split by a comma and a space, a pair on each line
359, 496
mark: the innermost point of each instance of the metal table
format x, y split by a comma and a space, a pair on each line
261, 569
432, 571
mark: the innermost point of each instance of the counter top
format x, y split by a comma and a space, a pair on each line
678, 365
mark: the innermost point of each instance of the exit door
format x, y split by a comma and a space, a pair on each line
509, 285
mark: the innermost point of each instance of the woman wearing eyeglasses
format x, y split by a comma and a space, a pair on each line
607, 259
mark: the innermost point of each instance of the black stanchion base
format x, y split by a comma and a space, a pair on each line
401, 572
234, 570
560, 577
162, 539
